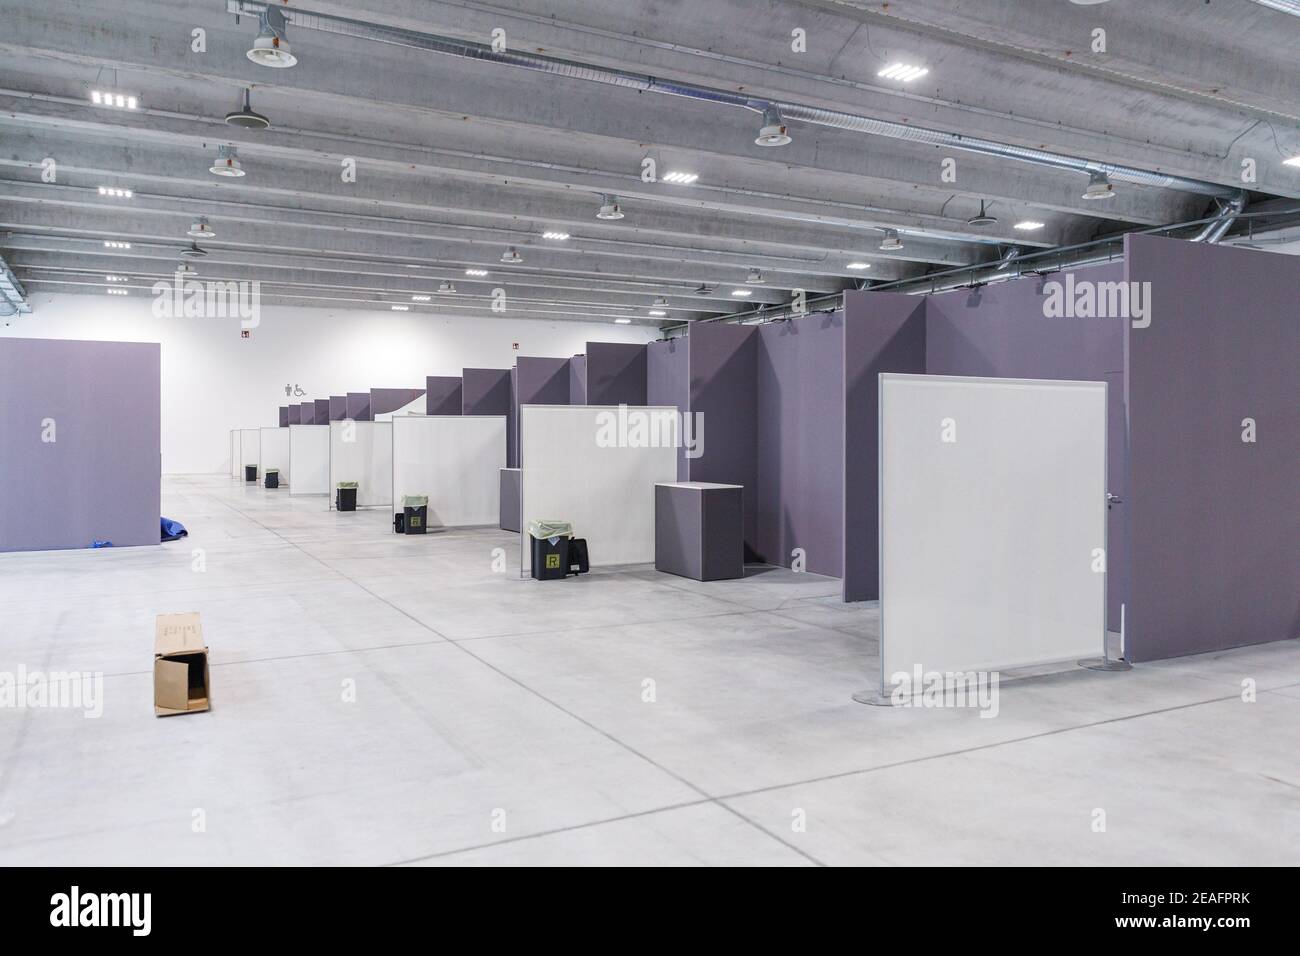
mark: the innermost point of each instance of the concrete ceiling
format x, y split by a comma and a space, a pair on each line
458, 159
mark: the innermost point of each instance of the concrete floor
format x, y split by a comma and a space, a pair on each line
502, 721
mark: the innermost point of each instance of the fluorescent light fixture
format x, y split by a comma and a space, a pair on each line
679, 178
114, 244
511, 256
119, 101
400, 308
742, 293
558, 236
623, 321
1099, 187
772, 132
475, 272
1293, 161
859, 265
657, 313
421, 298
227, 163
116, 291
903, 72
115, 278
1029, 225
115, 192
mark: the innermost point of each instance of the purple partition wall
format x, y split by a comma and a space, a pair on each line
800, 406
485, 391
723, 395
539, 381
338, 408
616, 373
284, 416
883, 332
385, 400
322, 411
1001, 331
578, 380
295, 415
80, 444
512, 422
668, 382
358, 406
443, 395
1213, 519
307, 413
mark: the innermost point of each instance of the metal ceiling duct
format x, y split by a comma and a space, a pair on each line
835, 119
13, 297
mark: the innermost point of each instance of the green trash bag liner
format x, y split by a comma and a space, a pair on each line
415, 501
541, 528
347, 484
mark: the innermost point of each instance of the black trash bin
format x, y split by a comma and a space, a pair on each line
345, 498
415, 513
250, 473
578, 561
273, 477
549, 542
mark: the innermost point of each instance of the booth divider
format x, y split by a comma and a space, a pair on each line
309, 459
455, 460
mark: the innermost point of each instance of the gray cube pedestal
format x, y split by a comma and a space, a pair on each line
699, 530
509, 499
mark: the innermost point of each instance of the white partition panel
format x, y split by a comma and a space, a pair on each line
596, 468
309, 459
274, 452
250, 442
992, 508
235, 471
454, 459
363, 452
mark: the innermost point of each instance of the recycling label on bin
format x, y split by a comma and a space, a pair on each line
552, 561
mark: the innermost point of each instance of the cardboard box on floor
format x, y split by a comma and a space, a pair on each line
180, 665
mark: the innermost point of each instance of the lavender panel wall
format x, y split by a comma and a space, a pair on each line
578, 380
100, 478
284, 416
443, 395
322, 411
338, 408
723, 393
307, 413
668, 382
512, 422
883, 332
616, 373
485, 391
1001, 331
295, 415
358, 406
801, 442
385, 400
1213, 520
539, 381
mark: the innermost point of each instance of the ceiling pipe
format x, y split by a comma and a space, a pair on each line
1228, 213
835, 119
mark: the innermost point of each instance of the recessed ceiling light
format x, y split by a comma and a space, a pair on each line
623, 321
246, 118
421, 298
1029, 225
227, 163
200, 229
115, 192
445, 287
657, 313
116, 291
679, 178
892, 241
859, 265
772, 132
400, 308
609, 208
511, 255
120, 101
1293, 161
114, 244
271, 48
115, 278
742, 293
903, 72
1099, 187
558, 236
475, 272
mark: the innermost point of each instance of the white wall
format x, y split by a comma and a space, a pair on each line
213, 380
